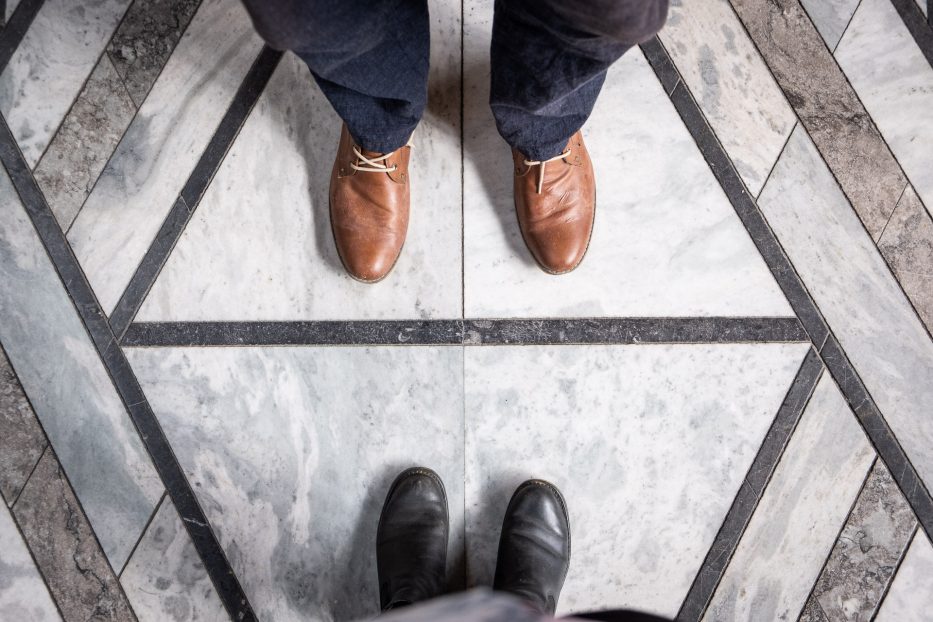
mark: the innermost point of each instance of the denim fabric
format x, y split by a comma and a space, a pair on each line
548, 61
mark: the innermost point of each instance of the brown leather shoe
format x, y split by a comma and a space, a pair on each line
369, 201
555, 200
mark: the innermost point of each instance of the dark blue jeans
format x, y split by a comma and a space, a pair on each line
548, 61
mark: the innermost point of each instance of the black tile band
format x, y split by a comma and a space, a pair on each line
14, 30
920, 26
150, 432
746, 500
842, 371
180, 213
469, 332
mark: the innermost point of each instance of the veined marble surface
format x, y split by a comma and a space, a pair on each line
165, 578
260, 247
51, 64
666, 241
895, 82
23, 595
856, 292
731, 84
830, 17
800, 513
910, 598
648, 444
151, 164
69, 388
291, 452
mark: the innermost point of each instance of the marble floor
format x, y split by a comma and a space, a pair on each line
200, 413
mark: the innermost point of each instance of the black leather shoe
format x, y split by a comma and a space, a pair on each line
534, 548
411, 541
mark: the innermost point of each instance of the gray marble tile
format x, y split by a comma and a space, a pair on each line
291, 452
23, 594
165, 578
278, 262
145, 40
862, 562
648, 444
895, 83
162, 145
22, 440
827, 106
798, 517
869, 314
830, 17
666, 240
87, 137
731, 84
70, 388
65, 549
910, 598
907, 246
51, 63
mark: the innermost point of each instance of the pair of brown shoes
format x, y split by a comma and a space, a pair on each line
555, 200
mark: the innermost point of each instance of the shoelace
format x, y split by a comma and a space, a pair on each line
372, 165
542, 163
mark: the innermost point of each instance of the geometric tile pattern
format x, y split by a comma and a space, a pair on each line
731, 391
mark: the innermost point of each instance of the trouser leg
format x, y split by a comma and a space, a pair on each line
549, 60
369, 57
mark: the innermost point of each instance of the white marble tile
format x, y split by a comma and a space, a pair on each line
10, 7
796, 523
731, 84
666, 241
162, 145
830, 17
165, 578
260, 247
910, 597
856, 292
895, 83
923, 6
291, 452
23, 595
648, 444
51, 64
69, 388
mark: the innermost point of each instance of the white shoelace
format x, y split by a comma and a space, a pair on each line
372, 165
542, 163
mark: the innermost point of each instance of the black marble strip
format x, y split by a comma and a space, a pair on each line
861, 402
178, 217
150, 432
469, 332
746, 500
14, 30
920, 26
879, 432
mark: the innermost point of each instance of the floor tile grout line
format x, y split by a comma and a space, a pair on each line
771, 250
777, 159
181, 212
842, 527
147, 426
15, 29
142, 534
472, 332
919, 27
888, 222
462, 168
897, 567
747, 498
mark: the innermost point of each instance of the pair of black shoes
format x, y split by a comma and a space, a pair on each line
411, 542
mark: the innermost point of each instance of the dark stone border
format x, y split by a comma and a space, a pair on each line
920, 27
842, 371
174, 225
746, 500
468, 332
15, 29
150, 432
